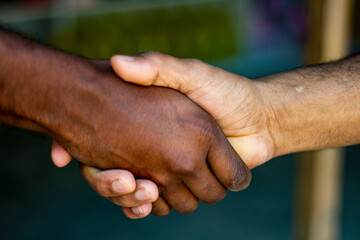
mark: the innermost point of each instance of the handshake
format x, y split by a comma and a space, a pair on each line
153, 132
159, 134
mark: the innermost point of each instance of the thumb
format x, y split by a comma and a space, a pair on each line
209, 87
153, 68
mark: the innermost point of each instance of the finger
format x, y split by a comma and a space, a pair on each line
180, 198
59, 155
138, 212
146, 191
227, 166
206, 186
160, 207
109, 183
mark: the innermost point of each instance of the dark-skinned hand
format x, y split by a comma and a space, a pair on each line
157, 134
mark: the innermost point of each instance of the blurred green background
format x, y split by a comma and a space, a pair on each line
252, 38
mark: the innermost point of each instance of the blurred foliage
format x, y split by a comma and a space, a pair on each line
206, 33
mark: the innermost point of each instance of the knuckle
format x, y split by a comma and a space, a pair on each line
185, 165
162, 180
153, 56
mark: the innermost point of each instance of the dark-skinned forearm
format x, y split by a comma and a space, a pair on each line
155, 133
33, 78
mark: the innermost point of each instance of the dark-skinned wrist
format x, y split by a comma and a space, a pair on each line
17, 91
39, 84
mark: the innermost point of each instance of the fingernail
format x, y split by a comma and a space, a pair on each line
137, 210
142, 195
124, 58
120, 186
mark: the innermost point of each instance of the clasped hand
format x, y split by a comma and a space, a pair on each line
233, 101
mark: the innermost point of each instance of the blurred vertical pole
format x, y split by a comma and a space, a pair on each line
320, 179
325, 215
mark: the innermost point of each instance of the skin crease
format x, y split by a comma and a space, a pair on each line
267, 117
155, 133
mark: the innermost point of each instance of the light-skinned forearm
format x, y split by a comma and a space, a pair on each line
314, 107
